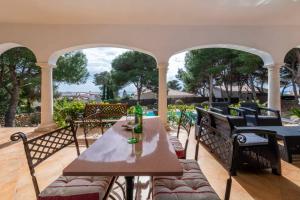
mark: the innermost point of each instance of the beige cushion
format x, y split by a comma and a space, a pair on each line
180, 152
193, 185
76, 187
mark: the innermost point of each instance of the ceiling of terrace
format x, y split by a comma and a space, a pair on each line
154, 12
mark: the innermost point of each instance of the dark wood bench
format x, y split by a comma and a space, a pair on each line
234, 146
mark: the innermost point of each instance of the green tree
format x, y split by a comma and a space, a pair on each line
207, 68
71, 68
17, 70
30, 93
125, 95
107, 85
174, 84
202, 66
135, 68
291, 69
250, 64
20, 79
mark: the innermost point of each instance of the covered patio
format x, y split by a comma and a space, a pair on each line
161, 29
248, 185
268, 29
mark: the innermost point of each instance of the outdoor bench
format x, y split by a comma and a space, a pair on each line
100, 115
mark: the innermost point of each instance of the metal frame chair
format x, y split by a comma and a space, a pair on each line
185, 122
42, 147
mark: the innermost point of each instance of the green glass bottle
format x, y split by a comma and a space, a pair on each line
138, 111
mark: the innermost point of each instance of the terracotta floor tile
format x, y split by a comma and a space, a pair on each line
248, 185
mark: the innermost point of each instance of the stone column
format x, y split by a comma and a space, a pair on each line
162, 92
274, 99
47, 122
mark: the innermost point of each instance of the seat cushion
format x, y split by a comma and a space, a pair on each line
76, 188
193, 185
254, 140
180, 152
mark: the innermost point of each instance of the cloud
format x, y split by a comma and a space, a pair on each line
176, 62
89, 86
99, 60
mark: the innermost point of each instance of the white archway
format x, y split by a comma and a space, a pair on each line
273, 69
265, 56
47, 95
9, 45
54, 56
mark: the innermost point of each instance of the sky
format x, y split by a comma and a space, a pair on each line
99, 60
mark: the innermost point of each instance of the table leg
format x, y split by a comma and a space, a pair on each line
287, 150
129, 187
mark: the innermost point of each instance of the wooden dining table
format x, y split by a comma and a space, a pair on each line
112, 155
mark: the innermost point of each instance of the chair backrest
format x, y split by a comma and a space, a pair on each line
223, 106
251, 105
217, 110
42, 147
185, 122
219, 123
106, 110
236, 121
216, 135
199, 115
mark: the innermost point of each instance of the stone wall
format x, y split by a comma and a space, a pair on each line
287, 105
25, 120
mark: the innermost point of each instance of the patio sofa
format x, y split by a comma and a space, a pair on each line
235, 147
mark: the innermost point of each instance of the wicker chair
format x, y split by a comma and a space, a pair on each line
65, 187
222, 107
229, 111
259, 148
255, 117
256, 147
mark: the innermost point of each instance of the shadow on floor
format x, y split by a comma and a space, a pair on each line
262, 184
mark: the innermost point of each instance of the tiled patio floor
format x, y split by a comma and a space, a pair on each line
15, 180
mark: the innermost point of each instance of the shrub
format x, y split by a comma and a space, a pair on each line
64, 108
131, 109
179, 102
295, 112
181, 107
173, 112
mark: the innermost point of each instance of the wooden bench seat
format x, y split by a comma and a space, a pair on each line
100, 115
